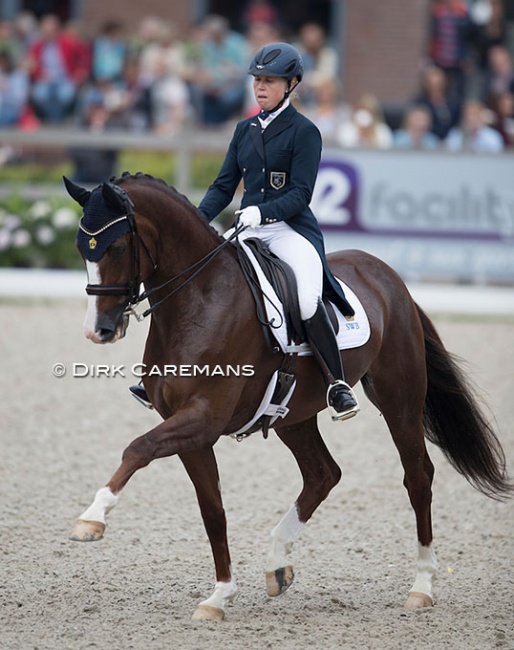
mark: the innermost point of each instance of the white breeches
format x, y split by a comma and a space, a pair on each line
301, 256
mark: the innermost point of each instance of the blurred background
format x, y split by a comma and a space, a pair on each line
414, 99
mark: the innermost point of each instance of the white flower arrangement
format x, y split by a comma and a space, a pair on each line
39, 233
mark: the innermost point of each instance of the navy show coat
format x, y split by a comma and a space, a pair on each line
279, 168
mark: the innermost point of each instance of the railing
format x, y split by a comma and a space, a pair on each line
181, 145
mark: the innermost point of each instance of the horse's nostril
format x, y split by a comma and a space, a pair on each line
105, 333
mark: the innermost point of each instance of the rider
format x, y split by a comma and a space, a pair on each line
277, 154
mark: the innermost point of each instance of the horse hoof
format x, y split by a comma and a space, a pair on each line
417, 600
87, 531
207, 613
279, 580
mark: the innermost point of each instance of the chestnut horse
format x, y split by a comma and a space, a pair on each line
203, 312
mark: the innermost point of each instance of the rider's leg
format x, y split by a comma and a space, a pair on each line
305, 261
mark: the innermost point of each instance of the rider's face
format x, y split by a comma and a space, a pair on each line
269, 91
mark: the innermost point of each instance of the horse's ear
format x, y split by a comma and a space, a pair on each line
114, 196
79, 194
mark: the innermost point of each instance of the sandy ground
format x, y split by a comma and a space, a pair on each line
62, 439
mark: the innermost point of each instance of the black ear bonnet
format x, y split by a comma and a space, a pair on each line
108, 214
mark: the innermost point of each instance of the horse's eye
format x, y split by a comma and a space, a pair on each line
117, 251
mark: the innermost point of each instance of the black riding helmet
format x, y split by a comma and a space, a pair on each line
278, 60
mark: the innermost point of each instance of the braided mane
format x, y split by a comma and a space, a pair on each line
161, 185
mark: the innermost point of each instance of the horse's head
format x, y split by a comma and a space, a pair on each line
108, 242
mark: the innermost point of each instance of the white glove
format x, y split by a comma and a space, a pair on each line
250, 216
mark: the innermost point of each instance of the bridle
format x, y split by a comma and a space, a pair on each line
131, 289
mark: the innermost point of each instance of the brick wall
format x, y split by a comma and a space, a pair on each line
96, 12
383, 42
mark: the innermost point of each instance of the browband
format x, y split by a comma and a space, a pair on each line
107, 225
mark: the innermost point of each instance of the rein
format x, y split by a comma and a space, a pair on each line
196, 267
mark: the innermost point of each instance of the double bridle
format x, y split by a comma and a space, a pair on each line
131, 289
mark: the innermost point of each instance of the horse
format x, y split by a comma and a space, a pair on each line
203, 312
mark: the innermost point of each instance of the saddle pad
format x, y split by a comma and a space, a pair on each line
352, 333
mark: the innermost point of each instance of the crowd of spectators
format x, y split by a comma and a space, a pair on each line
153, 79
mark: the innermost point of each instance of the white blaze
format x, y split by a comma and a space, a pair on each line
93, 277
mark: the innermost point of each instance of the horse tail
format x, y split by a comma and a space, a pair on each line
455, 423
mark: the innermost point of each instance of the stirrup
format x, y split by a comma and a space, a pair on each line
139, 393
347, 413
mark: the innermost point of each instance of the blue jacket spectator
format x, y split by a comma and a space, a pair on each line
474, 134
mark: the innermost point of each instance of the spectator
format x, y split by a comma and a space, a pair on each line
220, 80
473, 134
58, 68
92, 165
26, 33
109, 51
14, 91
366, 127
501, 73
258, 35
319, 58
490, 29
434, 95
416, 130
327, 111
8, 42
450, 33
169, 98
259, 11
503, 120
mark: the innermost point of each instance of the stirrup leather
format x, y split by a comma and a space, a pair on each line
348, 413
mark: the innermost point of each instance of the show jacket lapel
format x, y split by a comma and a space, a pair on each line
282, 122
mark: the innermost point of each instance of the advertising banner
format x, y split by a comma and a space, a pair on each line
432, 216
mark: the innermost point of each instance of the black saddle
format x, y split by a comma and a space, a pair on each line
283, 280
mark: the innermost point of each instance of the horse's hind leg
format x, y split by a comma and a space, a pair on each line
400, 398
320, 474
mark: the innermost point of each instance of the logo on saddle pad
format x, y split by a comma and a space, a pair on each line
277, 180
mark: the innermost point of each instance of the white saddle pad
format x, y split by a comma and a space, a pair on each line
352, 333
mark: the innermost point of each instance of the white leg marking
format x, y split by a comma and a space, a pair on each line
224, 594
283, 536
93, 277
104, 502
426, 570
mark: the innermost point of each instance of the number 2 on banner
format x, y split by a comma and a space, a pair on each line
331, 192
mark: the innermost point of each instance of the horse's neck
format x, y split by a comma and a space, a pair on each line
183, 246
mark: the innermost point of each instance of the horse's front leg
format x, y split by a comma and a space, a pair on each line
320, 474
202, 469
178, 434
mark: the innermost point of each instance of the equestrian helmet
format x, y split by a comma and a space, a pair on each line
277, 60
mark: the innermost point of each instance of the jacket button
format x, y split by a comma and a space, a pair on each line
262, 189
263, 169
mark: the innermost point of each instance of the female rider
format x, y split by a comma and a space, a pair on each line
277, 155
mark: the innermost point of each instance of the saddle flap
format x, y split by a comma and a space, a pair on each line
283, 281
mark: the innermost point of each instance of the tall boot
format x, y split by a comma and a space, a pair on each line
321, 337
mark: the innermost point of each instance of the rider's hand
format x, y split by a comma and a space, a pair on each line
250, 216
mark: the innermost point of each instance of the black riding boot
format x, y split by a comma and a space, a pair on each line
138, 391
321, 337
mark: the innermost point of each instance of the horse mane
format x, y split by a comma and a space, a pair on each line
159, 184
